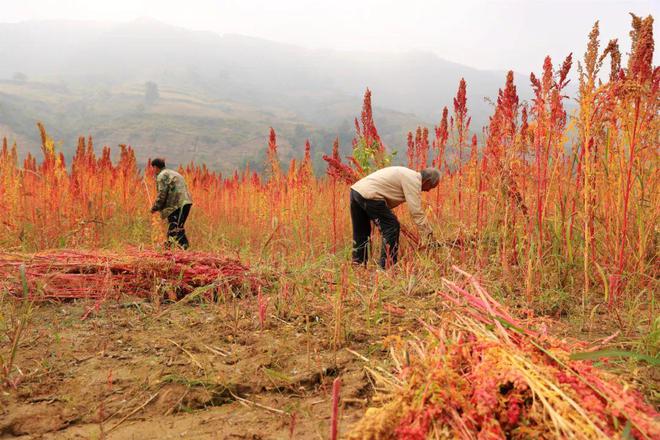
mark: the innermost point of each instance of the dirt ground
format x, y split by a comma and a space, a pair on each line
203, 371
134, 369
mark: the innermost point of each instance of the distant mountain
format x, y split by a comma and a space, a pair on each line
218, 94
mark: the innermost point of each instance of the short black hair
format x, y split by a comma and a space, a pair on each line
158, 163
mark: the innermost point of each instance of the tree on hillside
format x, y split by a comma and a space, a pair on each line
151, 93
19, 77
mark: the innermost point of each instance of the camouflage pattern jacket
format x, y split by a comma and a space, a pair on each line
172, 193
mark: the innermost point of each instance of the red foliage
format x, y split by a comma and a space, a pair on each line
418, 148
368, 129
67, 274
641, 60
338, 170
440, 141
273, 159
460, 103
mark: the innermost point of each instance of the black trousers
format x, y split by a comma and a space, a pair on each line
176, 232
363, 212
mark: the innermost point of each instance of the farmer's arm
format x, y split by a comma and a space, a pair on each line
163, 186
412, 190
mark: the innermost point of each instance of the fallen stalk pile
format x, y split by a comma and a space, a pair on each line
481, 375
73, 274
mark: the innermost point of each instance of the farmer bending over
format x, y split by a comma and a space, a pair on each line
372, 199
173, 202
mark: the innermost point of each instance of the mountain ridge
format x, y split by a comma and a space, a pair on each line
320, 90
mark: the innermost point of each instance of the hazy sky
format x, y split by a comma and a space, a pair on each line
495, 34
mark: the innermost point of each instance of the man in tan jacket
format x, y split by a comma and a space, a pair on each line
373, 198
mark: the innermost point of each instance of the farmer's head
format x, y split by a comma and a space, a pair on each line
158, 164
430, 178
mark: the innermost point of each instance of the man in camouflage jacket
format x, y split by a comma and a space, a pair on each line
173, 202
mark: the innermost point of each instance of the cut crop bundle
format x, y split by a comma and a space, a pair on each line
71, 274
481, 375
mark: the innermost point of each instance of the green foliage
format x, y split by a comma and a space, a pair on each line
611, 353
650, 342
370, 158
15, 316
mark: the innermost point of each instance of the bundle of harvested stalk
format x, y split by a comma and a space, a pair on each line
70, 274
481, 374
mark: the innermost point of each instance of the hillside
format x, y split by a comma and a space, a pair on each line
218, 94
179, 125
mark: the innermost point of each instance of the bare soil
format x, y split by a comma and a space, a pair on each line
208, 370
203, 371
